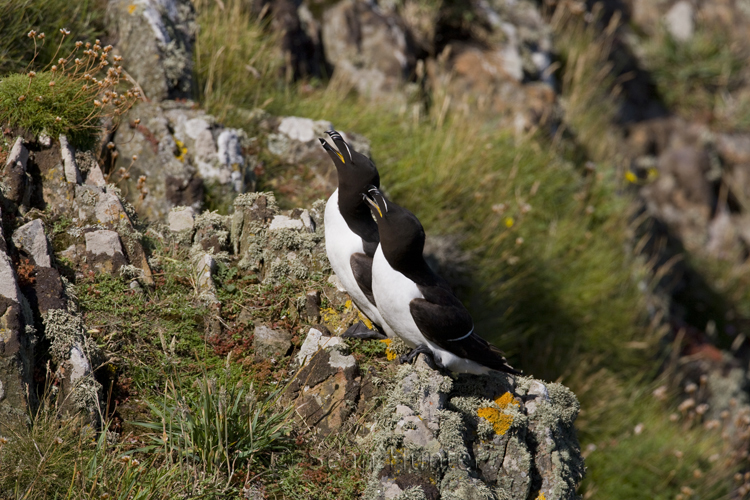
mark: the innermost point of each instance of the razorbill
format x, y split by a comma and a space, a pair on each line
351, 233
418, 304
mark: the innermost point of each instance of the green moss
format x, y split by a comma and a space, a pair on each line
84, 19
31, 104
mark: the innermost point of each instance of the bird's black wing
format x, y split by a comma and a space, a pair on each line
361, 265
444, 321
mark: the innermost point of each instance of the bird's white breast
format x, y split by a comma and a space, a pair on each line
393, 292
341, 243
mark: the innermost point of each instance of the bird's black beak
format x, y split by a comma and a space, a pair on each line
330, 150
344, 151
371, 197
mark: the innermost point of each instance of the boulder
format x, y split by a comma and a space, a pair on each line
326, 391
271, 343
156, 38
181, 156
181, 219
493, 436
104, 251
31, 241
372, 51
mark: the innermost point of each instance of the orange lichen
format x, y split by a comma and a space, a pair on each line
541, 496
499, 420
507, 399
390, 355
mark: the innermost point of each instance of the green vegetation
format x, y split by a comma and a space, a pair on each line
694, 76
63, 457
555, 284
221, 430
84, 18
66, 97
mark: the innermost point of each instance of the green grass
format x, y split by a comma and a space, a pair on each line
62, 456
554, 283
31, 104
84, 19
692, 76
69, 95
221, 429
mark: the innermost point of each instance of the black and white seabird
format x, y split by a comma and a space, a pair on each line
418, 304
351, 233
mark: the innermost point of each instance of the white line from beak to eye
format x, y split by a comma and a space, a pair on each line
465, 336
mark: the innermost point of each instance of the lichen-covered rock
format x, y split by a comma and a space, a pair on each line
281, 251
104, 251
31, 241
326, 391
75, 353
495, 436
155, 38
16, 349
271, 343
182, 155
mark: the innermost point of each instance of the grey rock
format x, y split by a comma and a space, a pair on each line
95, 177
30, 238
16, 350
283, 222
8, 284
205, 268
679, 21
70, 167
17, 182
155, 38
271, 344
307, 221
181, 219
369, 49
18, 154
104, 250
314, 342
303, 129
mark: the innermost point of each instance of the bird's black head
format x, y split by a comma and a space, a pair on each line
355, 170
401, 233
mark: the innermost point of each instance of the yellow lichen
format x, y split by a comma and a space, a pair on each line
390, 355
131, 8
499, 420
507, 399
182, 148
541, 496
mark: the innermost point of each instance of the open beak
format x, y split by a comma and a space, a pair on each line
330, 150
369, 197
341, 144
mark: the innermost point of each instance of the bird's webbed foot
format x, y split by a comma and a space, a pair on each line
430, 358
360, 331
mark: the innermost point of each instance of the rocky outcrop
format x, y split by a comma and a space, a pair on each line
488, 437
277, 246
369, 50
156, 38
53, 181
172, 154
